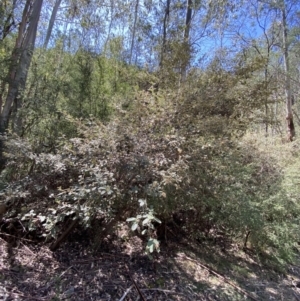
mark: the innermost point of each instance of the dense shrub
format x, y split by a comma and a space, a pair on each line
190, 173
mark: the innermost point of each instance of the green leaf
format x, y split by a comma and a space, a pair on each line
156, 242
134, 226
157, 220
150, 245
145, 221
42, 218
131, 219
142, 202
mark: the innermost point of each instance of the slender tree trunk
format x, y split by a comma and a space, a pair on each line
24, 63
9, 20
110, 25
186, 48
13, 64
134, 29
288, 94
266, 97
51, 22
164, 42
20, 62
16, 54
188, 20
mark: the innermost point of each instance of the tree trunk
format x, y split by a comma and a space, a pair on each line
20, 62
186, 48
110, 25
13, 64
164, 42
288, 94
134, 29
7, 19
51, 22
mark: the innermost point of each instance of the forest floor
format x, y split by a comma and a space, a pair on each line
119, 270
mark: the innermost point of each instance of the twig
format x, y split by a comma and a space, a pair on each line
161, 290
136, 286
5, 234
165, 291
59, 277
24, 229
297, 298
294, 112
28, 249
126, 293
96, 259
60, 239
19, 294
219, 276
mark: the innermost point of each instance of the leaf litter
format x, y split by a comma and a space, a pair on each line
120, 270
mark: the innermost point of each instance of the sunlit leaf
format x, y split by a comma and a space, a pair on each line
134, 226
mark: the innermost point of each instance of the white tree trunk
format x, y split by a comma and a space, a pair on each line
51, 22
288, 94
186, 47
134, 29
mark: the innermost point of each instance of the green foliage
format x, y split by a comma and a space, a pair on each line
145, 222
183, 154
62, 87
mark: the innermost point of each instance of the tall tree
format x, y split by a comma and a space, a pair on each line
288, 94
20, 62
186, 44
7, 22
134, 29
51, 22
165, 25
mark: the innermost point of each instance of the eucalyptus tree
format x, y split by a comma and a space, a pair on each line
265, 26
257, 33
51, 22
19, 65
285, 12
136, 10
7, 18
186, 36
20, 62
165, 26
285, 49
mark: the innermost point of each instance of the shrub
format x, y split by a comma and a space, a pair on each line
188, 173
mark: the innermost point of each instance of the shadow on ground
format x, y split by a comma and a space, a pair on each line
119, 270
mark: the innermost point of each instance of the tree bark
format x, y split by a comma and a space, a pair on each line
8, 17
134, 29
20, 62
51, 22
289, 113
164, 42
186, 48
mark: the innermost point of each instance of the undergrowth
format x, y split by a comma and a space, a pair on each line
201, 180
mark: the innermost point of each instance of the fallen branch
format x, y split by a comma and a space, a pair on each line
63, 236
219, 276
126, 293
165, 291
134, 283
14, 236
297, 298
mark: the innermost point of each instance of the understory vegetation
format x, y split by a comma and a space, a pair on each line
180, 159
147, 130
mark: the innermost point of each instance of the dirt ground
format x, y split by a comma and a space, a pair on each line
119, 270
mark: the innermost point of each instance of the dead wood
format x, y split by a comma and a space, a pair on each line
64, 235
